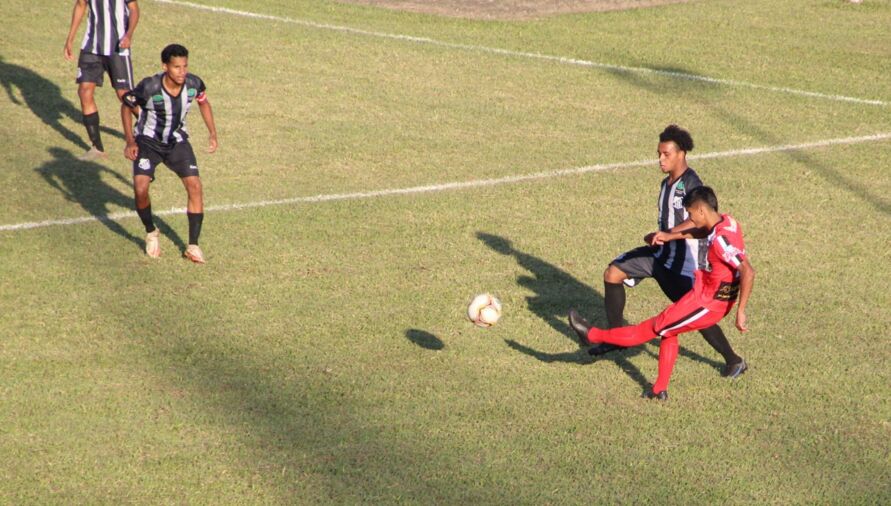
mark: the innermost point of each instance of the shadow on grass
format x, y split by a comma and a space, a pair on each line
424, 339
81, 182
672, 87
45, 100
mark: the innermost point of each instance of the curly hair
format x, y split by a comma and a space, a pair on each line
678, 136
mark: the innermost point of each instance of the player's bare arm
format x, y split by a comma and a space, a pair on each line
127, 39
131, 150
746, 282
77, 14
207, 115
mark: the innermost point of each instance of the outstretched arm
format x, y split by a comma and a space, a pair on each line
127, 39
207, 115
77, 14
746, 282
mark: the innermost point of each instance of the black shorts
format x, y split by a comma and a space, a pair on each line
640, 263
91, 68
178, 156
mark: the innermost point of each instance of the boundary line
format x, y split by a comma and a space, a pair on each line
523, 54
455, 185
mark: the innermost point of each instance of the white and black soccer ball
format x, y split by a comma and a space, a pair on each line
484, 310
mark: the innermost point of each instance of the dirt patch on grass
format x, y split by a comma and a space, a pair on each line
510, 9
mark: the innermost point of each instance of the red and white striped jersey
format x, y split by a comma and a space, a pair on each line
726, 252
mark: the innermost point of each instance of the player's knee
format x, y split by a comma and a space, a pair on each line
613, 274
85, 92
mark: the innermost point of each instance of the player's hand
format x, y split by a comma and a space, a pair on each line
741, 321
648, 239
131, 151
125, 42
67, 52
213, 144
659, 238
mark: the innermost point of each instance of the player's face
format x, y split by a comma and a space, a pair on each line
697, 215
671, 158
177, 69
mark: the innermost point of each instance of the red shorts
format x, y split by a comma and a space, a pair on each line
691, 312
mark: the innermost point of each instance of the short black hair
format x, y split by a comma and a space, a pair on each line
678, 136
173, 51
701, 194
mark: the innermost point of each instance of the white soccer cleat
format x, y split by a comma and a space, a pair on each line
152, 245
92, 154
194, 253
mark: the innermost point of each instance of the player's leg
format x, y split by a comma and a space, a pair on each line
182, 161
632, 265
676, 286
89, 75
631, 335
120, 70
143, 175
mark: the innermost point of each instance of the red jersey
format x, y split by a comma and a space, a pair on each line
726, 252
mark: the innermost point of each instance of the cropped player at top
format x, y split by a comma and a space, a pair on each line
729, 277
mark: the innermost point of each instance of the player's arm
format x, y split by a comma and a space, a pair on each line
128, 105
207, 115
77, 14
686, 228
127, 39
746, 282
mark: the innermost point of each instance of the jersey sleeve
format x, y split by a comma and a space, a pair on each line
730, 250
201, 97
136, 97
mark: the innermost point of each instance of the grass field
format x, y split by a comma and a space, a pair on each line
322, 355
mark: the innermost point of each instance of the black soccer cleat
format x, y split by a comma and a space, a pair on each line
603, 349
581, 327
735, 369
661, 396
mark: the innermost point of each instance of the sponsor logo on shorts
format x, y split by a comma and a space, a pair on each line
80, 73
193, 167
121, 80
145, 164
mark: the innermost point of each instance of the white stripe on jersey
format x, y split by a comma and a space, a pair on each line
108, 31
183, 109
120, 29
168, 117
688, 321
148, 129
691, 261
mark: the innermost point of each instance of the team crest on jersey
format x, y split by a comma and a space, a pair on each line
145, 164
678, 202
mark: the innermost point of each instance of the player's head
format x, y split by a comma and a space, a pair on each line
175, 62
701, 204
674, 142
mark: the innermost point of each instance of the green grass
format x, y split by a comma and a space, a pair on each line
322, 355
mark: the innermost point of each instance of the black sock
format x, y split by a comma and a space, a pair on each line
614, 300
91, 121
146, 216
715, 337
195, 221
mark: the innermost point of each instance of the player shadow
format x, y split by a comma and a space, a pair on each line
81, 182
675, 86
424, 339
45, 100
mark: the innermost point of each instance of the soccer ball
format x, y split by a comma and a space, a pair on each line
484, 310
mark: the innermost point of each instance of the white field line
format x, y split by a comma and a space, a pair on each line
457, 185
522, 54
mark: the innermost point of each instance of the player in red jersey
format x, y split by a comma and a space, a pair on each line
729, 276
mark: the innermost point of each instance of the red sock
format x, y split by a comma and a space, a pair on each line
624, 336
668, 353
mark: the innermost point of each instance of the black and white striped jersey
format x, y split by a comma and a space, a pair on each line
163, 116
107, 23
682, 257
